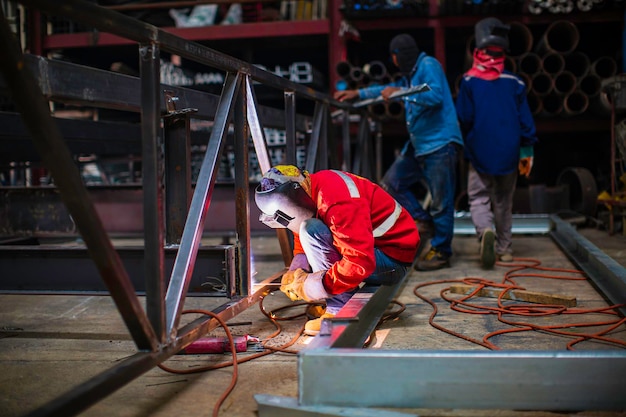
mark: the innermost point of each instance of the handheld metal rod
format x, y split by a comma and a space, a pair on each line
422, 88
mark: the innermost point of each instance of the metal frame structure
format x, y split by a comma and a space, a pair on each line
157, 330
403, 379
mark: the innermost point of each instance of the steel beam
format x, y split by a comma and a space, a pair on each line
604, 272
80, 85
192, 233
57, 269
518, 380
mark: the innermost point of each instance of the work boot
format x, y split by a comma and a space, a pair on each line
505, 257
315, 311
312, 327
433, 260
487, 249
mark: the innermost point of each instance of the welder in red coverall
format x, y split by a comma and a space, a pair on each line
347, 231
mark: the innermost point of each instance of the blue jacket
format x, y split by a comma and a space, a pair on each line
430, 117
496, 121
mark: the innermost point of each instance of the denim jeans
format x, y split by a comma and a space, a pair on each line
438, 171
317, 242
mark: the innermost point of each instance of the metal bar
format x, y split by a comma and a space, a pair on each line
70, 270
183, 266
607, 275
258, 138
178, 191
274, 406
152, 183
322, 158
314, 142
519, 380
422, 88
77, 84
357, 319
81, 137
347, 143
362, 156
242, 178
290, 128
56, 156
256, 130
522, 224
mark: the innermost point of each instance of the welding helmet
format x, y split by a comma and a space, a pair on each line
283, 201
491, 32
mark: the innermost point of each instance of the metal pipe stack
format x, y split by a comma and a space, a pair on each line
560, 80
373, 72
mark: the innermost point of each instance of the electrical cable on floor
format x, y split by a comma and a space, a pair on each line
465, 304
271, 315
274, 319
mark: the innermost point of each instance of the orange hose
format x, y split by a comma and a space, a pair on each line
506, 313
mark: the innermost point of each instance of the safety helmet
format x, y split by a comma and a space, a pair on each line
283, 203
491, 32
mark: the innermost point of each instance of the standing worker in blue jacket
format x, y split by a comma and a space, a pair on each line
499, 134
430, 155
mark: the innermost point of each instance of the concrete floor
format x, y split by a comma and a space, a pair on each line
52, 343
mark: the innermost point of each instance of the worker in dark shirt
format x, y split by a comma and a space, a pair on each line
499, 134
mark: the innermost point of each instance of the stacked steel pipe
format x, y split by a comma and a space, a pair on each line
536, 7
560, 80
373, 72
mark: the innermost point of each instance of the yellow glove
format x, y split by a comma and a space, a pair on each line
286, 280
525, 166
305, 286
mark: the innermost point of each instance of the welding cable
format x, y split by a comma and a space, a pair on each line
503, 312
392, 315
236, 361
431, 319
233, 350
542, 310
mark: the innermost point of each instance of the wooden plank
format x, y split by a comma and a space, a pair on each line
516, 295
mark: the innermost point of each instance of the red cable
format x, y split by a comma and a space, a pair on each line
505, 313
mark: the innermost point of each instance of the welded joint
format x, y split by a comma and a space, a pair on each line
326, 328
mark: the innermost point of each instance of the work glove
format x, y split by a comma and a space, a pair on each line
526, 157
304, 286
299, 261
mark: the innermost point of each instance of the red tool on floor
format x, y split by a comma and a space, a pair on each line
222, 345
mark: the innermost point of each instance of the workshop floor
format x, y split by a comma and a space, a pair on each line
52, 343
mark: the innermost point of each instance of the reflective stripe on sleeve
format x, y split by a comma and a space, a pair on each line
389, 221
354, 192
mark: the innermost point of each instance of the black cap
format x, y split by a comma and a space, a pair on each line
491, 32
406, 50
